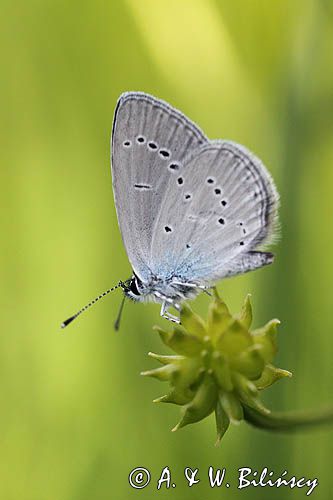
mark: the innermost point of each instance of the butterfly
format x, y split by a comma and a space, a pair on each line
191, 210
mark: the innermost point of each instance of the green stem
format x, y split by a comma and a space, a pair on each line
292, 421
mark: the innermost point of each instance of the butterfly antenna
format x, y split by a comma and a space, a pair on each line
72, 318
117, 322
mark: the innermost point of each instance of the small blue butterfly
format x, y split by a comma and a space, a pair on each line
191, 210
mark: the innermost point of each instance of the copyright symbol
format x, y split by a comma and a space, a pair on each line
139, 478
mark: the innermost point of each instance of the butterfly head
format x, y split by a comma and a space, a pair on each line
133, 288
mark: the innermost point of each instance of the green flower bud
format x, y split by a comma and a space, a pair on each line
220, 365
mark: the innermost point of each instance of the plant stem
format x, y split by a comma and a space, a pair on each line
291, 421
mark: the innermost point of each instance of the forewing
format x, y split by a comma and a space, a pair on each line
221, 205
150, 140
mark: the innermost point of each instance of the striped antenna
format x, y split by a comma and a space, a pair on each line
72, 318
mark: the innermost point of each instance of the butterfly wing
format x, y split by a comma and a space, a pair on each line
150, 140
218, 208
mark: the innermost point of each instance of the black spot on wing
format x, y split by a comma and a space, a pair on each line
142, 186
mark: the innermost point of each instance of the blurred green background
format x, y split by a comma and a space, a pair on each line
75, 415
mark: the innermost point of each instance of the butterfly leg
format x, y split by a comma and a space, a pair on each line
166, 299
166, 303
194, 285
164, 313
191, 285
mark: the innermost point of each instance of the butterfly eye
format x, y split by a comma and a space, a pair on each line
140, 139
133, 287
